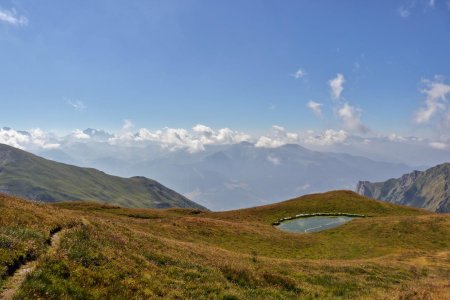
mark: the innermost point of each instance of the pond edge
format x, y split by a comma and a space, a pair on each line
278, 222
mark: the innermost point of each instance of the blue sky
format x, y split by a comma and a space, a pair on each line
78, 64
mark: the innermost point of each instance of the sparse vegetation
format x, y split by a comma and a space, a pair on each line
120, 253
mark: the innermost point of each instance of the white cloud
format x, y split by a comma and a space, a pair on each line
180, 138
372, 145
278, 128
228, 136
273, 159
76, 104
267, 142
438, 145
315, 107
125, 136
207, 136
11, 17
78, 134
278, 138
397, 138
36, 138
404, 12
327, 138
199, 128
299, 74
41, 139
13, 138
436, 92
195, 141
337, 85
351, 116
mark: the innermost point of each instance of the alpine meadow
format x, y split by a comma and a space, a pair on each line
200, 149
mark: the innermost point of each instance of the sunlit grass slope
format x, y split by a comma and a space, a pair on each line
25, 229
189, 254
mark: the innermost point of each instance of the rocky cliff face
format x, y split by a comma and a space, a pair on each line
364, 188
429, 189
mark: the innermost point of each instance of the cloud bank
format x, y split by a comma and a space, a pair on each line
193, 140
35, 138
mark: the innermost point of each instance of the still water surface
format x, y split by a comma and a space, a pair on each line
313, 224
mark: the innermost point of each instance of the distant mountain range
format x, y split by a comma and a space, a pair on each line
26, 175
243, 175
220, 176
429, 189
227, 176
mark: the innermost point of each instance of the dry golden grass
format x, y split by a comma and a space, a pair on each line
25, 229
119, 253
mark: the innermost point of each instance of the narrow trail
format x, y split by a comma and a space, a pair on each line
13, 283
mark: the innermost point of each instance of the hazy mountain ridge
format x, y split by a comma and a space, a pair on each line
429, 189
223, 176
232, 176
26, 175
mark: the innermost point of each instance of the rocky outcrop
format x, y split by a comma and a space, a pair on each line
429, 189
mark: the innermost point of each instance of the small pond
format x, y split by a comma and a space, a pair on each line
313, 224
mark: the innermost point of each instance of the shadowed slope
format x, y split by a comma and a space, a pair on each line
29, 176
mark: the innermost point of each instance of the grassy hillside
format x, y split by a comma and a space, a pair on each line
335, 201
121, 253
29, 176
